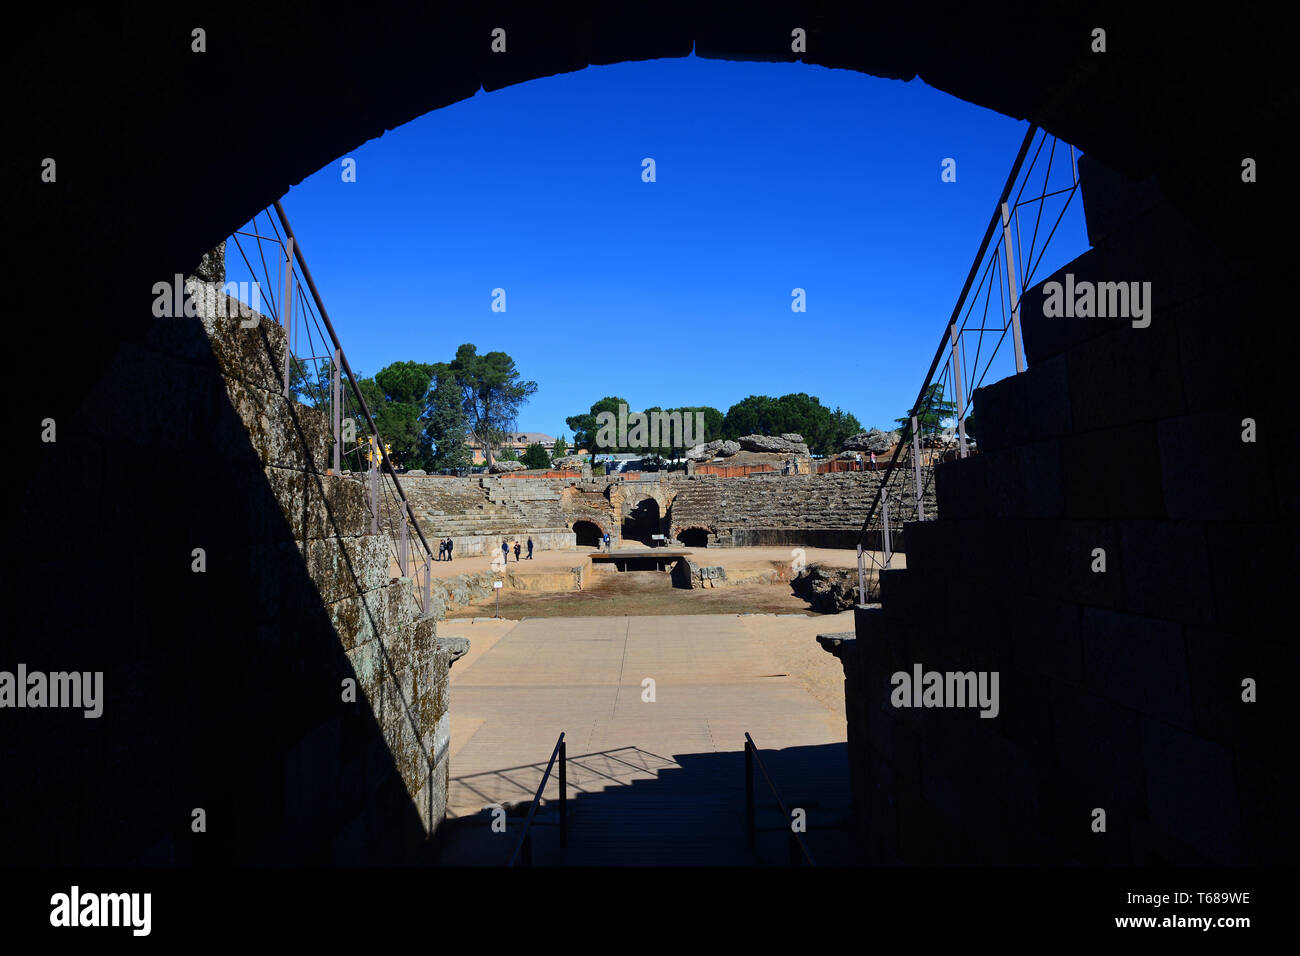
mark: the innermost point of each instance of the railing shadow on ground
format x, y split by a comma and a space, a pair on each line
631, 807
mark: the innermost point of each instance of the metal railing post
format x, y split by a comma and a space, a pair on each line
336, 413
1013, 291
286, 311
564, 794
916, 470
374, 486
862, 577
428, 583
401, 548
884, 510
749, 793
524, 849
797, 844
956, 381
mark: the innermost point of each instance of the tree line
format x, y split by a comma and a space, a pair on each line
823, 429
426, 412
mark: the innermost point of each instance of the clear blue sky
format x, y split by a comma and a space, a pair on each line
677, 292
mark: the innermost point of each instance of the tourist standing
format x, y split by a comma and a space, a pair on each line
517, 550
606, 540
530, 549
449, 549
505, 551
873, 461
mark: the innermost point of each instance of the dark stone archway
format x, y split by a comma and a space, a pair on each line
694, 537
643, 522
587, 534
161, 152
1180, 94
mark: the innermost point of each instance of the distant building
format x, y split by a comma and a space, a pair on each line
517, 441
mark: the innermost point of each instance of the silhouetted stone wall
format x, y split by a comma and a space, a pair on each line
224, 690
1122, 690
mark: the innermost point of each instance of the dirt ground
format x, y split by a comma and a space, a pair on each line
637, 593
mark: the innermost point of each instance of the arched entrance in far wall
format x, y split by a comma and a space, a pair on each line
643, 521
587, 534
694, 537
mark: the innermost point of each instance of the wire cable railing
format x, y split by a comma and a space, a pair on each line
314, 370
1003, 263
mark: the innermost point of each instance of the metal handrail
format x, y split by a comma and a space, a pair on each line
381, 504
957, 327
797, 843
344, 364
523, 850
956, 310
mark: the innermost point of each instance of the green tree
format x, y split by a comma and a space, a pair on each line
560, 450
931, 413
445, 424
310, 381
712, 421
585, 428
491, 394
399, 417
749, 416
375, 400
535, 456
843, 426
797, 412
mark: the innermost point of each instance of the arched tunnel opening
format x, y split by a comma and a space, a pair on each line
643, 522
694, 537
1156, 138
587, 534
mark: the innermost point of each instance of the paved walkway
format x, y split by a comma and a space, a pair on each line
657, 782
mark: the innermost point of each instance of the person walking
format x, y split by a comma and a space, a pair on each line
530, 549
505, 551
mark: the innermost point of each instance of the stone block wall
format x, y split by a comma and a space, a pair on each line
1121, 689
228, 732
825, 510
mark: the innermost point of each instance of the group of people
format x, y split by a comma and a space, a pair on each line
858, 461
505, 550
444, 548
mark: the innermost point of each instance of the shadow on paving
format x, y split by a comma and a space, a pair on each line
631, 807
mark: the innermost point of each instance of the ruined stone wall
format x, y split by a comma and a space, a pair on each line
238, 710
812, 510
1124, 686
817, 510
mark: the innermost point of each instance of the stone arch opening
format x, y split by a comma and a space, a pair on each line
694, 537
388, 81
643, 521
587, 534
